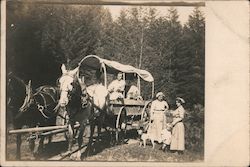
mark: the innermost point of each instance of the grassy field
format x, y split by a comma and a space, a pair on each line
103, 151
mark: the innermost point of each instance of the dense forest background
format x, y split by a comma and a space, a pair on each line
42, 37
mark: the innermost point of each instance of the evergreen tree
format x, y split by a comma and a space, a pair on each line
192, 74
72, 33
25, 58
106, 41
165, 35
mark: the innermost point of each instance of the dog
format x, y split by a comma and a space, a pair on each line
144, 136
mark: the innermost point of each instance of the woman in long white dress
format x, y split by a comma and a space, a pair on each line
157, 116
178, 131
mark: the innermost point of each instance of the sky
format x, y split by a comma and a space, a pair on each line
183, 12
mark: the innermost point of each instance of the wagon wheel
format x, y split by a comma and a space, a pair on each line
121, 125
145, 114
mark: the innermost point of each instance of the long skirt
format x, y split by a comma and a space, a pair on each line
155, 128
178, 140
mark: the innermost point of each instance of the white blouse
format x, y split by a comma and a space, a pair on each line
117, 86
178, 115
159, 106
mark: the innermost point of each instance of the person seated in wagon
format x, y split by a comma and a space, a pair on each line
116, 88
134, 93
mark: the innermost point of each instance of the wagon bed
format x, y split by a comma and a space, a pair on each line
133, 107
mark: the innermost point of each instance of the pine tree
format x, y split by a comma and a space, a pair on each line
192, 74
164, 38
74, 34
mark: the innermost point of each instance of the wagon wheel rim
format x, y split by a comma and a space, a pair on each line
121, 124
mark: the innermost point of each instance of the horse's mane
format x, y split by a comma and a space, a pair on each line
76, 92
16, 90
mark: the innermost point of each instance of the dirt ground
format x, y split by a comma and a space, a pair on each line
102, 151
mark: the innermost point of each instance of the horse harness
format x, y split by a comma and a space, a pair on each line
43, 107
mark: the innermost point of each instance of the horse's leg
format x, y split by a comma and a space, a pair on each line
41, 144
112, 137
49, 139
80, 140
38, 147
71, 136
99, 128
53, 123
18, 146
80, 135
100, 122
92, 129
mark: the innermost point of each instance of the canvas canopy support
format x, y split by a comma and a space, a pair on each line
112, 67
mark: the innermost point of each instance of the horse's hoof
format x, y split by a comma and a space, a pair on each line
72, 157
36, 155
78, 155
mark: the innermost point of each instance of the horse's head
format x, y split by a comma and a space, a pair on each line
15, 90
66, 85
19, 95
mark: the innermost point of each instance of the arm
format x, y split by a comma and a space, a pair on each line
166, 106
152, 110
122, 86
111, 87
179, 116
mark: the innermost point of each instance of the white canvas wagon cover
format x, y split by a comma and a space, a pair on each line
95, 62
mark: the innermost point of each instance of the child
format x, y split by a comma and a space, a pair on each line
166, 137
166, 132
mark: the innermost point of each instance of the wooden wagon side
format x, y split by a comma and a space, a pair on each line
128, 113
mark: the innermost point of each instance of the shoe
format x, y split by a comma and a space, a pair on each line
162, 148
166, 150
97, 113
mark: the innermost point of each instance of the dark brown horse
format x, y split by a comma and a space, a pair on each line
81, 106
25, 108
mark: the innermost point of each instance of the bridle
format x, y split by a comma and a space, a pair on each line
68, 91
84, 97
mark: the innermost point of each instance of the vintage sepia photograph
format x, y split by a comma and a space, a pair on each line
105, 82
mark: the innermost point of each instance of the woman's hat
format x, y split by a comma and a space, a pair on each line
180, 99
160, 94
